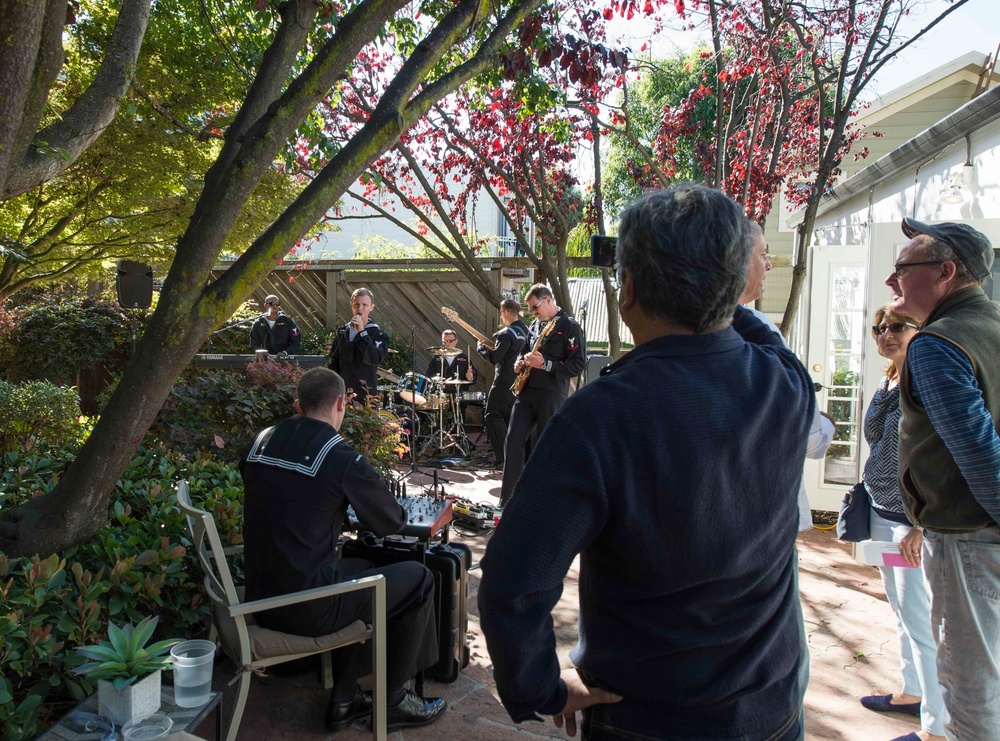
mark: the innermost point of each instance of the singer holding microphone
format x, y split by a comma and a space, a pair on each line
359, 347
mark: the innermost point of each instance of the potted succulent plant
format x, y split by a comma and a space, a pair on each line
127, 670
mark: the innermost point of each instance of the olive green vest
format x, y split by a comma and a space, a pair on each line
935, 494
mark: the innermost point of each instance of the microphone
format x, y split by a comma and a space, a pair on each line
585, 304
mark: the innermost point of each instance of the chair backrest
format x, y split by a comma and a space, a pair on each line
211, 555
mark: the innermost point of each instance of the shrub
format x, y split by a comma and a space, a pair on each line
223, 410
137, 565
57, 337
38, 410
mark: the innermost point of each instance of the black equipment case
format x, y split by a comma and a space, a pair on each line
449, 562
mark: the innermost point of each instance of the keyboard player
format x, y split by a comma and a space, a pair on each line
275, 331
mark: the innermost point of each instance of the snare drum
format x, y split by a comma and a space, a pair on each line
414, 388
477, 398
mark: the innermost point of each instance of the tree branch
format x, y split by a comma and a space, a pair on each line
58, 145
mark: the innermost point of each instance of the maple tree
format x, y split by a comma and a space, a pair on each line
780, 83
131, 192
510, 139
34, 145
314, 47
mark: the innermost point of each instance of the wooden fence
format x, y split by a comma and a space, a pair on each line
408, 300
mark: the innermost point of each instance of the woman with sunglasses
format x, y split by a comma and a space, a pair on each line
904, 587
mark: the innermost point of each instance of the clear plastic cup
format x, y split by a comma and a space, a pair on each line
155, 726
192, 661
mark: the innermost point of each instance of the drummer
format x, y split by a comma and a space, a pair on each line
451, 363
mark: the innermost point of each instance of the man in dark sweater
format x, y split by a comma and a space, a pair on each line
660, 475
299, 477
949, 460
552, 355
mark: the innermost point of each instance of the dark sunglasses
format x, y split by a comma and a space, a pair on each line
895, 327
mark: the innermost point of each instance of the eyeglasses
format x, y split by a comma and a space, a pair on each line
449, 339
271, 303
895, 327
898, 268
538, 303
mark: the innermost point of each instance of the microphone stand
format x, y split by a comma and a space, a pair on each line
413, 407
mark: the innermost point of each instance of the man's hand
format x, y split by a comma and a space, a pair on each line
357, 323
534, 359
910, 545
519, 365
579, 696
470, 375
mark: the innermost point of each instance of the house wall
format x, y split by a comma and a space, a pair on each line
872, 220
898, 117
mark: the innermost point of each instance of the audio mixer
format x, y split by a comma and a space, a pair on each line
426, 516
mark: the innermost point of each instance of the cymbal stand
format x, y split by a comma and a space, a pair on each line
453, 440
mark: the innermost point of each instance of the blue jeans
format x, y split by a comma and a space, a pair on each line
909, 598
963, 571
599, 724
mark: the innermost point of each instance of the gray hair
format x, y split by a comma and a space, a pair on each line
935, 249
688, 249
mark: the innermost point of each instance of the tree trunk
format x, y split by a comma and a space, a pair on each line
610, 294
77, 506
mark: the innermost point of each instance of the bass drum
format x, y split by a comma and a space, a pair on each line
415, 388
402, 416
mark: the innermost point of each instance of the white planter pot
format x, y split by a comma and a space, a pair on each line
137, 701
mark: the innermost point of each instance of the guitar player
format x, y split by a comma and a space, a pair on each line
551, 361
507, 346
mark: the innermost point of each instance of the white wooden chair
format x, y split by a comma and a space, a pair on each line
253, 648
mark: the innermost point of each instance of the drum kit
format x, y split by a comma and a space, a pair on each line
418, 402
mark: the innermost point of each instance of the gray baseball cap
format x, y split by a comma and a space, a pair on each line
971, 246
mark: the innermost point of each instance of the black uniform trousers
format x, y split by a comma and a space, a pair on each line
499, 404
411, 630
533, 408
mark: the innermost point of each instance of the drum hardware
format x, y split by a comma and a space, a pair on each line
387, 375
455, 436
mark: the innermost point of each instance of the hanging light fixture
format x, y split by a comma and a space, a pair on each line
952, 194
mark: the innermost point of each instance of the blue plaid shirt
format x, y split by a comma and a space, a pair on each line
943, 383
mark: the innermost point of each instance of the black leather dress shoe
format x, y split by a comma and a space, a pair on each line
340, 715
414, 710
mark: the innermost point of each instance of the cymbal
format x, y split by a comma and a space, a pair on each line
458, 382
387, 375
441, 350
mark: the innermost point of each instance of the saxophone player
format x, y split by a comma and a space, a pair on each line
553, 355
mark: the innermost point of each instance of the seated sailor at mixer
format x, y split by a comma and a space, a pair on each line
450, 363
299, 477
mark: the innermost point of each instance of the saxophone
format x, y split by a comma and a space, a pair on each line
522, 377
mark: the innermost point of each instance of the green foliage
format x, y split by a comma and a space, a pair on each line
125, 657
132, 192
663, 83
138, 565
223, 410
841, 404
38, 410
234, 337
58, 335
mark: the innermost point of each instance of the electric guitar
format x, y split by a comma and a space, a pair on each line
452, 316
522, 377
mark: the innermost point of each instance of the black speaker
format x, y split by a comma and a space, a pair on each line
134, 285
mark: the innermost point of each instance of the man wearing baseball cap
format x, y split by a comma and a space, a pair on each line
949, 460
275, 331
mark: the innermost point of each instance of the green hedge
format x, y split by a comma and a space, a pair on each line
38, 410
